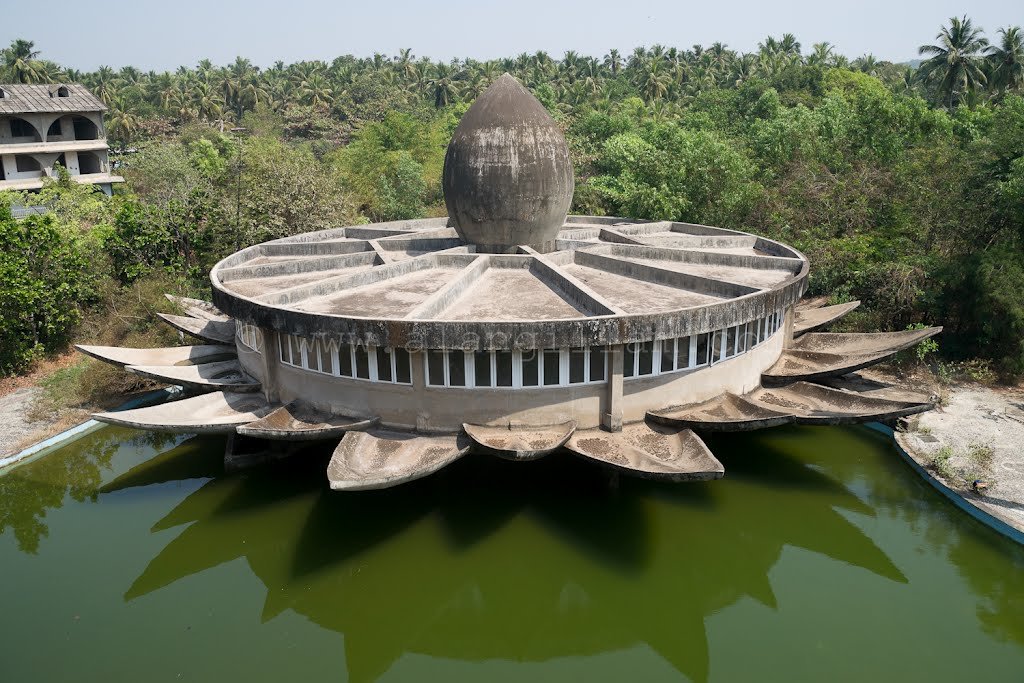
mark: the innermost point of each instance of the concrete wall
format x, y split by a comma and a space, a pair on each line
738, 375
438, 409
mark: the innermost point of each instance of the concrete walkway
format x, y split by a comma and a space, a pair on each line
978, 434
15, 426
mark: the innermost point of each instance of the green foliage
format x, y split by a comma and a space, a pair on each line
393, 167
666, 172
46, 275
941, 462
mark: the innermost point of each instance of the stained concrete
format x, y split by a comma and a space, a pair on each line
204, 329
197, 308
507, 179
649, 451
380, 459
219, 376
166, 356
216, 413
811, 319
519, 442
299, 421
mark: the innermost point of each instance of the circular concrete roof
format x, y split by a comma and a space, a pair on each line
418, 284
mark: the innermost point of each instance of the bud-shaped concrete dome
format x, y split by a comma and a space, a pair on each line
508, 180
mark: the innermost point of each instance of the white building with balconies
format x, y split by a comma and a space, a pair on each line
42, 125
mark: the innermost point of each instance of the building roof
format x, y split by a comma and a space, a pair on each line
610, 281
20, 98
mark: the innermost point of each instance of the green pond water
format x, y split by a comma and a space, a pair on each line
820, 557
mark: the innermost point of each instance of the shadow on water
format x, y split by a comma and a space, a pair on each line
520, 561
516, 561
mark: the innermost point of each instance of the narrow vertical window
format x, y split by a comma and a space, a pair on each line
597, 363
645, 354
668, 355
403, 368
383, 365
503, 368
552, 367
310, 347
531, 368
457, 368
702, 348
682, 353
345, 360
629, 360
577, 366
435, 368
717, 345
295, 349
482, 369
326, 357
362, 362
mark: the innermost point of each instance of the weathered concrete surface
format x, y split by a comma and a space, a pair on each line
224, 375
197, 308
508, 179
216, 413
855, 343
870, 387
810, 403
380, 459
726, 413
811, 319
976, 418
818, 355
800, 402
165, 356
650, 451
354, 303
299, 421
520, 442
212, 331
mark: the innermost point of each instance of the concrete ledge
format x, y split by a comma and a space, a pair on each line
977, 513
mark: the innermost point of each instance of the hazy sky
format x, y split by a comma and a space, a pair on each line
163, 35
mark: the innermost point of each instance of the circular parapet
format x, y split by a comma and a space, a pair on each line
419, 285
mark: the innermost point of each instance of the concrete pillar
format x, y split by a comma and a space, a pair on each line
611, 419
271, 359
787, 327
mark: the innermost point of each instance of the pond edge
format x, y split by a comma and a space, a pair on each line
964, 504
38, 450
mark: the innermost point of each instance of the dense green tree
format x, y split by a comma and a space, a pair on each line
47, 273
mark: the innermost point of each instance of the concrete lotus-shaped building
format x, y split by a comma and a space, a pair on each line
512, 329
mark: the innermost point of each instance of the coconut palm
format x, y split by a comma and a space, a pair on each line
443, 85
613, 62
1006, 60
653, 80
20, 63
821, 54
955, 65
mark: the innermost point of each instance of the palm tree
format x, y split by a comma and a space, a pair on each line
867, 63
653, 81
955, 63
821, 54
20, 62
1006, 60
443, 85
613, 62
